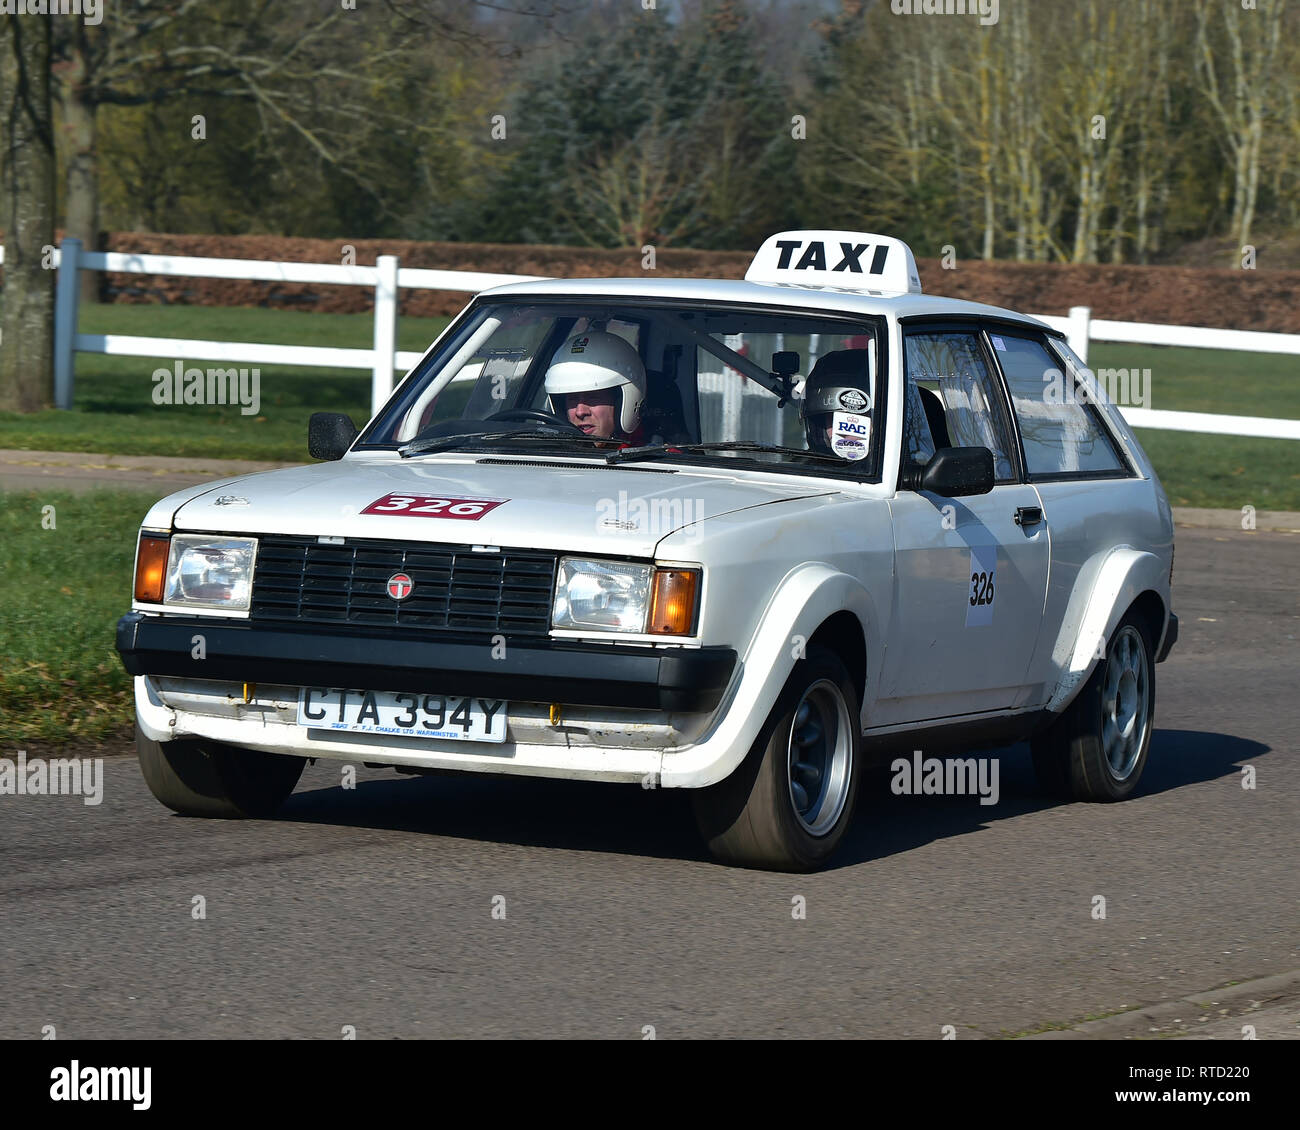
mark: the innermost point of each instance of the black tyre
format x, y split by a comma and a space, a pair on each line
198, 778
1097, 749
788, 804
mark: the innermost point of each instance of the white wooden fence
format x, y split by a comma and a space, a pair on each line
1080, 328
387, 276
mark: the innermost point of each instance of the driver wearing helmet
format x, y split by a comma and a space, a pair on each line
837, 383
597, 382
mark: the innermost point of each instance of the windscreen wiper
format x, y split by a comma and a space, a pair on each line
721, 445
447, 443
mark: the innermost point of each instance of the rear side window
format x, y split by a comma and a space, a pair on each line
1060, 428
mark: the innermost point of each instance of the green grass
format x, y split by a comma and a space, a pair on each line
1199, 469
1210, 380
114, 411
113, 408
1225, 472
62, 591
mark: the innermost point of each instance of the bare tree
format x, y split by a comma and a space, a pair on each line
320, 75
886, 130
1094, 64
1154, 142
1239, 57
963, 76
628, 197
1034, 196
26, 336
1023, 151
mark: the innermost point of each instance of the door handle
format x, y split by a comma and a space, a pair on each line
1028, 515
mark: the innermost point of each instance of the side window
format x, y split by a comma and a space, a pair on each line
953, 400
1061, 431
919, 443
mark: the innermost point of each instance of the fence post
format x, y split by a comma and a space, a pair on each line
381, 384
65, 321
1077, 334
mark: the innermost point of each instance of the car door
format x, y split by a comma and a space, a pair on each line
970, 572
1092, 499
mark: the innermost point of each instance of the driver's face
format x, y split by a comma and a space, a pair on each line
593, 411
825, 423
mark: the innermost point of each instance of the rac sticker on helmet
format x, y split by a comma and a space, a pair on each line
430, 506
850, 435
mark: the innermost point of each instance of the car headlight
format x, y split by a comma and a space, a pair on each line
617, 596
210, 571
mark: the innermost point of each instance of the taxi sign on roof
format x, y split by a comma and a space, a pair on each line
847, 260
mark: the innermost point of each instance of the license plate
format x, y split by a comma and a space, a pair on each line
403, 714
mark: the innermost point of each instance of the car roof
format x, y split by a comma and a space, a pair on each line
760, 294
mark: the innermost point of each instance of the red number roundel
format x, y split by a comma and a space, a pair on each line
430, 506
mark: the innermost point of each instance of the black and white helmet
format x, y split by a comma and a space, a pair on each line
839, 382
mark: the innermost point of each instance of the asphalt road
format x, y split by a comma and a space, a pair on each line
374, 907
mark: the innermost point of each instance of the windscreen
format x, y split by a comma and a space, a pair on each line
706, 382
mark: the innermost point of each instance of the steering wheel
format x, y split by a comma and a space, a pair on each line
533, 414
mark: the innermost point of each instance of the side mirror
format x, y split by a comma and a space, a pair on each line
953, 472
330, 434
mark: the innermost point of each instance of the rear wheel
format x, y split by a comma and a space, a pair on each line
1098, 748
199, 778
789, 803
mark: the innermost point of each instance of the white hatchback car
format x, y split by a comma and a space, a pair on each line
734, 537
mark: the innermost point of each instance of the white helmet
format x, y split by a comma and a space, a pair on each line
596, 360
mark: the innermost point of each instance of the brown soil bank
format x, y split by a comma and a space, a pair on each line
1254, 300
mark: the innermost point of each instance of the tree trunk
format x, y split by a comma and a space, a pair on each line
989, 216
915, 141
1143, 198
27, 335
1239, 192
1094, 223
1252, 180
988, 134
79, 130
1085, 211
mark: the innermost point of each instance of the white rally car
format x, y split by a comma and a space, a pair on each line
734, 537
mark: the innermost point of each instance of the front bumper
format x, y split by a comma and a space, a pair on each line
588, 743
631, 676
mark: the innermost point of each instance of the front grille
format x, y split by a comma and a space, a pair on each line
455, 589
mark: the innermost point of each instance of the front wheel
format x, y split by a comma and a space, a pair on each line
199, 778
789, 803
1098, 748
